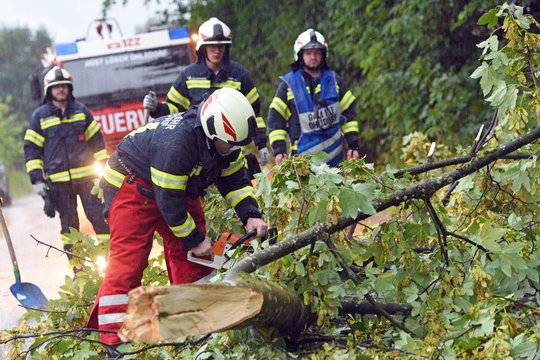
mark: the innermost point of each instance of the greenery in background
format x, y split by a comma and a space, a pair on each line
20, 55
480, 301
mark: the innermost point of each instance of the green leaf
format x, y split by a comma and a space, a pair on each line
317, 213
490, 18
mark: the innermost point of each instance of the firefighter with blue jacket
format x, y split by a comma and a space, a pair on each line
313, 108
213, 70
61, 146
152, 183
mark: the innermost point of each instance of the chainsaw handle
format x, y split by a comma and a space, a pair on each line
243, 239
199, 260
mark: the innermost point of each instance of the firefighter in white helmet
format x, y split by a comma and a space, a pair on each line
152, 183
213, 70
61, 146
313, 107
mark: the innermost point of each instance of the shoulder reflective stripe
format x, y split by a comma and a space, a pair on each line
290, 95
106, 319
178, 98
196, 171
198, 84
75, 117
282, 108
101, 155
35, 164
112, 176
103, 237
277, 135
34, 137
230, 84
260, 123
185, 229
346, 100
253, 95
172, 109
234, 197
149, 126
50, 122
350, 126
110, 300
317, 89
234, 166
168, 181
91, 130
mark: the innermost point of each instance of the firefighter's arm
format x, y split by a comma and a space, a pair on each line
177, 99
349, 123
94, 138
252, 94
34, 144
278, 115
234, 185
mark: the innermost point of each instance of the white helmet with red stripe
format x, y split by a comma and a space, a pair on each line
227, 115
57, 76
310, 39
213, 31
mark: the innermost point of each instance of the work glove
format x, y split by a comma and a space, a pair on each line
150, 101
49, 208
265, 156
40, 188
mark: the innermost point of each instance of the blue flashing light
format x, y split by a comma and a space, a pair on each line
66, 49
178, 33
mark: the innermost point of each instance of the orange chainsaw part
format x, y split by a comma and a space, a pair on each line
222, 240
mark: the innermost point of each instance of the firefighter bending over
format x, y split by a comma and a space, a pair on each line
61, 146
152, 183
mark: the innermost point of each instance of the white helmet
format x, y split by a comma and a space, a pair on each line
310, 39
57, 76
227, 115
213, 31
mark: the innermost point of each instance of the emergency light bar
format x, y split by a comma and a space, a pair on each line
155, 39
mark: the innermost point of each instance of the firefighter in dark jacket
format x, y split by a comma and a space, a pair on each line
61, 147
313, 107
151, 183
213, 70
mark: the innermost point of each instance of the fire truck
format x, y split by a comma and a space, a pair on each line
112, 76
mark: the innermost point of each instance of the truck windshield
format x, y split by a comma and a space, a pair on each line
126, 77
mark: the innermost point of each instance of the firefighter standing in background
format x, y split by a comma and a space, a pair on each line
61, 146
313, 106
152, 183
213, 70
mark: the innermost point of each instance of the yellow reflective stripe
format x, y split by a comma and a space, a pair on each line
172, 109
103, 237
185, 229
282, 108
290, 95
317, 88
277, 135
35, 164
260, 123
178, 98
149, 126
112, 176
253, 95
101, 155
234, 197
198, 84
75, 173
234, 166
75, 117
196, 171
350, 126
346, 100
230, 84
294, 147
34, 137
91, 130
168, 181
50, 122
65, 237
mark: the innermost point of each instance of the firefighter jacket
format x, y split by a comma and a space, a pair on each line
175, 156
63, 147
315, 113
197, 81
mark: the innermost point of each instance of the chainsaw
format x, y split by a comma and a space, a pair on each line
225, 243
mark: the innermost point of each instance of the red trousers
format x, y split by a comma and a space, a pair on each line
133, 219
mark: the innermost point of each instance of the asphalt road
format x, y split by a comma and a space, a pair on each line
37, 264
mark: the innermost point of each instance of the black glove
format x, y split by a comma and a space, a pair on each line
49, 208
260, 139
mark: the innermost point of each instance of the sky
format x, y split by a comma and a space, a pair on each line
68, 20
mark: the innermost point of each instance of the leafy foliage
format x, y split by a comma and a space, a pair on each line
466, 260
